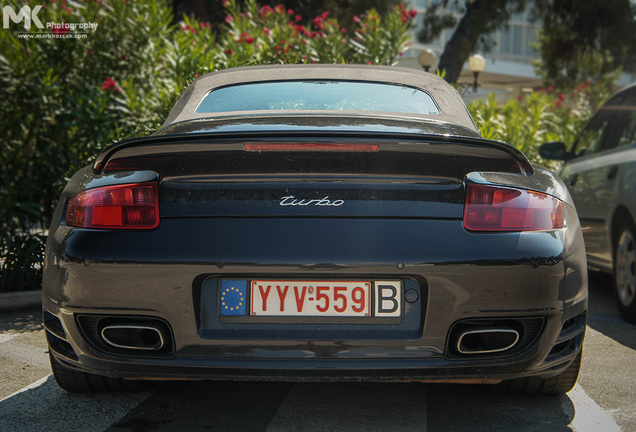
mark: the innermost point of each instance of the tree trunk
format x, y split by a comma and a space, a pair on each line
481, 18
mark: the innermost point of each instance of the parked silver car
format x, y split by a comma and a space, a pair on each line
600, 172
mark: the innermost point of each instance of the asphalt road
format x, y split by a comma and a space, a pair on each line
603, 399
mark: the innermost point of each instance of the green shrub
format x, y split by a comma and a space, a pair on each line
58, 105
538, 117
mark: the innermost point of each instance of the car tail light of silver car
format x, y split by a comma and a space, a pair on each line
495, 208
130, 206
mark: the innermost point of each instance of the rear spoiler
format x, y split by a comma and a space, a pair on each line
102, 159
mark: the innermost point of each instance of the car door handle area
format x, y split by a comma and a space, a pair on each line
613, 171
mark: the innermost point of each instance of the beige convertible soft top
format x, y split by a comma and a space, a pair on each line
452, 108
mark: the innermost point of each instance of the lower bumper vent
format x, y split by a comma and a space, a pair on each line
56, 336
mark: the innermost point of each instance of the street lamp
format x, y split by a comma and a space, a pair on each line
427, 58
476, 64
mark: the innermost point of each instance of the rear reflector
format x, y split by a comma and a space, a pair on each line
312, 147
492, 208
131, 206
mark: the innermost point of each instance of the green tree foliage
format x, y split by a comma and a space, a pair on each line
579, 40
479, 18
585, 39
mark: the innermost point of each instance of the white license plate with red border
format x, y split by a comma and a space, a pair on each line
326, 298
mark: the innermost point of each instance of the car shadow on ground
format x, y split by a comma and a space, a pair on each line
603, 315
273, 407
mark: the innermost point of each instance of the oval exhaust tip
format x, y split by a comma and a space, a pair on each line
487, 341
133, 337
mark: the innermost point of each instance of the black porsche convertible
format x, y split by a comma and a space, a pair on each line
316, 223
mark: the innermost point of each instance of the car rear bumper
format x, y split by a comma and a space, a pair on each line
534, 280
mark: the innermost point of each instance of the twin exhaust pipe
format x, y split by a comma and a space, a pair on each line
469, 341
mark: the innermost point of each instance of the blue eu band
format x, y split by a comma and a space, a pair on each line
233, 297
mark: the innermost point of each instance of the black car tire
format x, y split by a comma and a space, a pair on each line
557, 385
625, 271
83, 382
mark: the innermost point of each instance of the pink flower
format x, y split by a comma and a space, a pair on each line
197, 75
519, 98
110, 84
412, 13
356, 19
228, 19
267, 31
249, 39
266, 10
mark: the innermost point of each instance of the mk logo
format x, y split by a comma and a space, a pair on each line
25, 13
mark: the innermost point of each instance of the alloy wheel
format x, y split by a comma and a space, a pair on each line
626, 268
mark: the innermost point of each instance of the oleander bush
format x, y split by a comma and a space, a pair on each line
547, 115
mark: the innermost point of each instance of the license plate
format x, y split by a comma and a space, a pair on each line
325, 298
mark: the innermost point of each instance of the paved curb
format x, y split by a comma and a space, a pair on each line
21, 300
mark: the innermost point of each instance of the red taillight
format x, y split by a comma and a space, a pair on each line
131, 206
493, 208
331, 147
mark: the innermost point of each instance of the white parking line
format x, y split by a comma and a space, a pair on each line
588, 416
43, 405
27, 388
6, 337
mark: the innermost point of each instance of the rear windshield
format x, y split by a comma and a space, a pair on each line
318, 95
